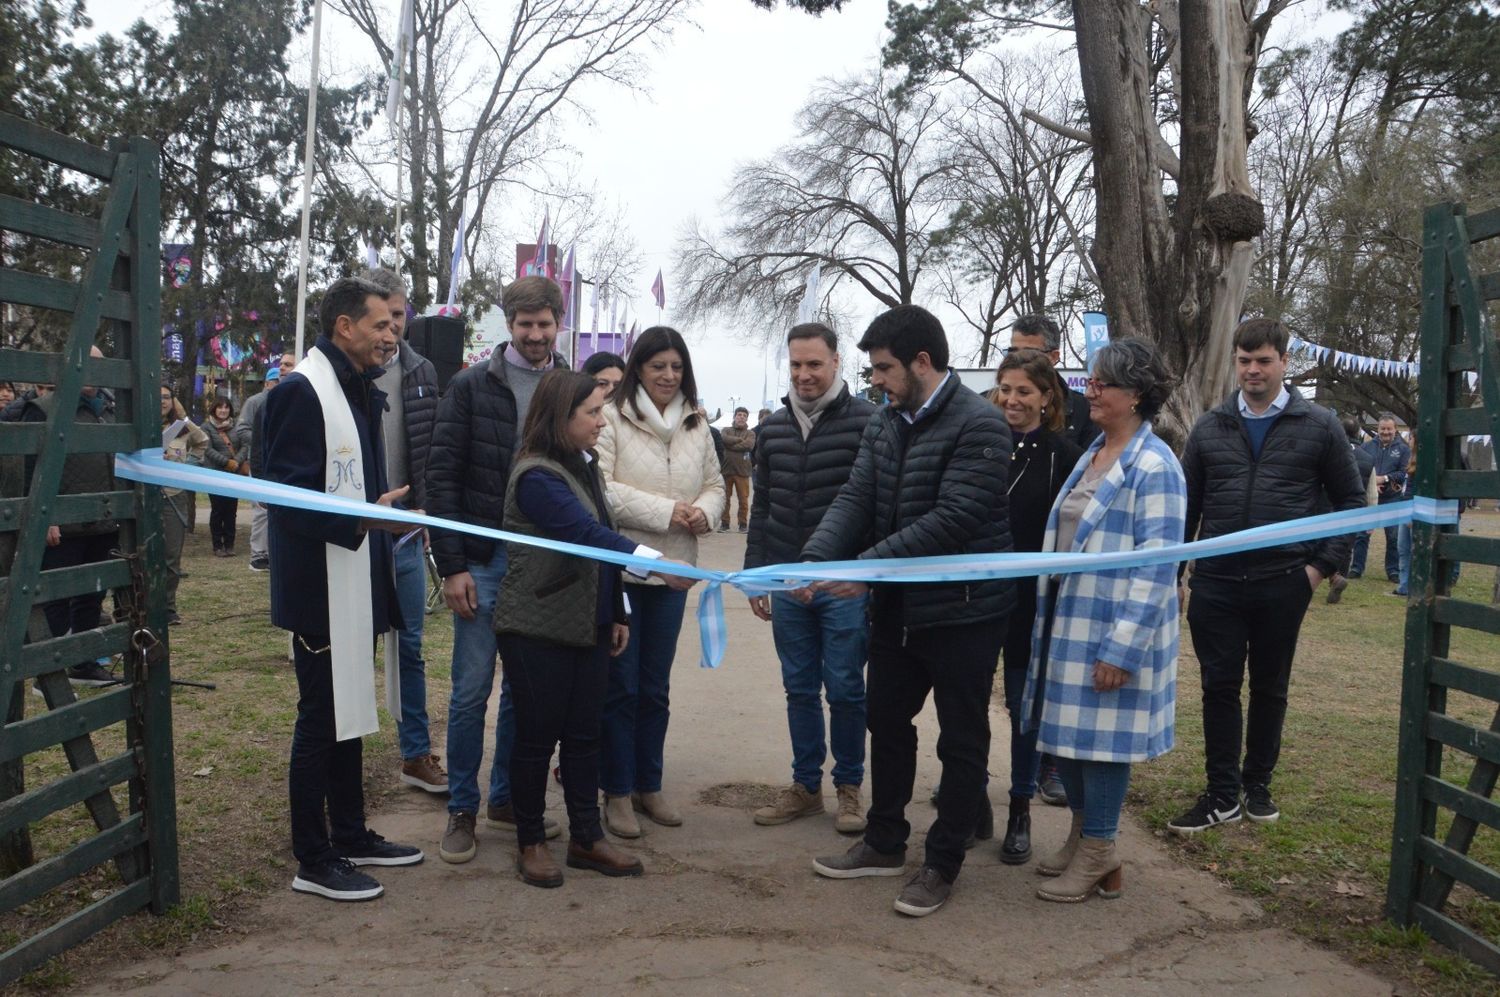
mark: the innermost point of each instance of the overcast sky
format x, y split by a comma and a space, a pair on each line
722, 93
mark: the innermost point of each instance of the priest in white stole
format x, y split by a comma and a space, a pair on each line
332, 584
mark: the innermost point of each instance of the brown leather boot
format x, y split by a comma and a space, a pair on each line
1056, 863
1095, 868
537, 867
601, 856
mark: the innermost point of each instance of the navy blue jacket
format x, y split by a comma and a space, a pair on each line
1390, 461
296, 455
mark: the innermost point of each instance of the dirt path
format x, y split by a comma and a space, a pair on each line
732, 907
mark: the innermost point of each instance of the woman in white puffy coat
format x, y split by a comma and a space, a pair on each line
665, 490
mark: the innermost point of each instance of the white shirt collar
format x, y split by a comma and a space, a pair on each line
1275, 408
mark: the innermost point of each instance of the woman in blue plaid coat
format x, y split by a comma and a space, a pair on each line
1101, 690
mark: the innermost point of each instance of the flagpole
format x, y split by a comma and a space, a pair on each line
400, 149
307, 176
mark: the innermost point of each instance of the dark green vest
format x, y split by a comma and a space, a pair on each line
544, 594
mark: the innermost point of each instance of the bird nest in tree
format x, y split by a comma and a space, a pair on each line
1235, 217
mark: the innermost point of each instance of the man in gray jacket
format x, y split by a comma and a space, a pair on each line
247, 437
411, 393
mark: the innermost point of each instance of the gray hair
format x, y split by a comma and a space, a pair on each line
387, 279
1135, 365
1038, 324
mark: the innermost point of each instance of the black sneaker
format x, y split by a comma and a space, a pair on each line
260, 564
173, 619
924, 893
375, 850
859, 861
1051, 790
1209, 811
92, 674
336, 879
1259, 807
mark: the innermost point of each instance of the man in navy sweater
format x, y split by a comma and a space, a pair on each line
325, 782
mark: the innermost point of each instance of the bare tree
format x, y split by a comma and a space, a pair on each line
858, 194
481, 89
1173, 245
1022, 201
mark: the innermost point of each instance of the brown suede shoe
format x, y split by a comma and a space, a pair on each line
425, 773
601, 856
538, 868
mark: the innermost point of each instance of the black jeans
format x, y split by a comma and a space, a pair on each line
1233, 622
78, 613
559, 697
325, 778
221, 517
957, 665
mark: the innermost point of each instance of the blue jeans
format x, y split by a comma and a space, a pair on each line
411, 594
1403, 549
474, 655
636, 707
822, 645
1025, 761
1097, 789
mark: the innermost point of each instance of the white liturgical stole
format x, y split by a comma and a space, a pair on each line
350, 622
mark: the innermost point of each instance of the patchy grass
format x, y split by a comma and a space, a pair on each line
233, 833
1321, 870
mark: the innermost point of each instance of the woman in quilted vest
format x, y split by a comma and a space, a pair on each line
223, 455
559, 618
665, 490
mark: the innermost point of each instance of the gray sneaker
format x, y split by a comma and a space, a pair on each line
458, 840
859, 861
923, 893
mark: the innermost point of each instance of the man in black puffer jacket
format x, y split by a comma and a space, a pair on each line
1265, 456
806, 452
930, 479
479, 423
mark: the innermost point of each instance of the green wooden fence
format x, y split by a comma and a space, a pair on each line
1458, 341
115, 300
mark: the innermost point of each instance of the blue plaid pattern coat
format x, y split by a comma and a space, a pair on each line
1126, 618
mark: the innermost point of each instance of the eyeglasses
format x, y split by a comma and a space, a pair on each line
1095, 384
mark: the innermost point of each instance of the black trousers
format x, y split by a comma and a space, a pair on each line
957, 665
223, 511
325, 778
1235, 623
78, 613
558, 693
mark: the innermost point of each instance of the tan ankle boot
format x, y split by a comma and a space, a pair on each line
1095, 867
655, 806
619, 817
1054, 864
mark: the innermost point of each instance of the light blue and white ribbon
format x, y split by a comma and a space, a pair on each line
149, 467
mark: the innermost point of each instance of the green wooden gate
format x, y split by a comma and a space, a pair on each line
113, 298
1458, 341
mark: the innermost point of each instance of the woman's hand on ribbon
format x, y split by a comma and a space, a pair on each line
677, 583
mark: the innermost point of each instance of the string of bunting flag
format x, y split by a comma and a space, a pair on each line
1353, 361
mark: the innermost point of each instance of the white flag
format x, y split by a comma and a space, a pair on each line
808, 308
406, 37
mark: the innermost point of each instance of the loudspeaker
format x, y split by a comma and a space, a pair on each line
440, 339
